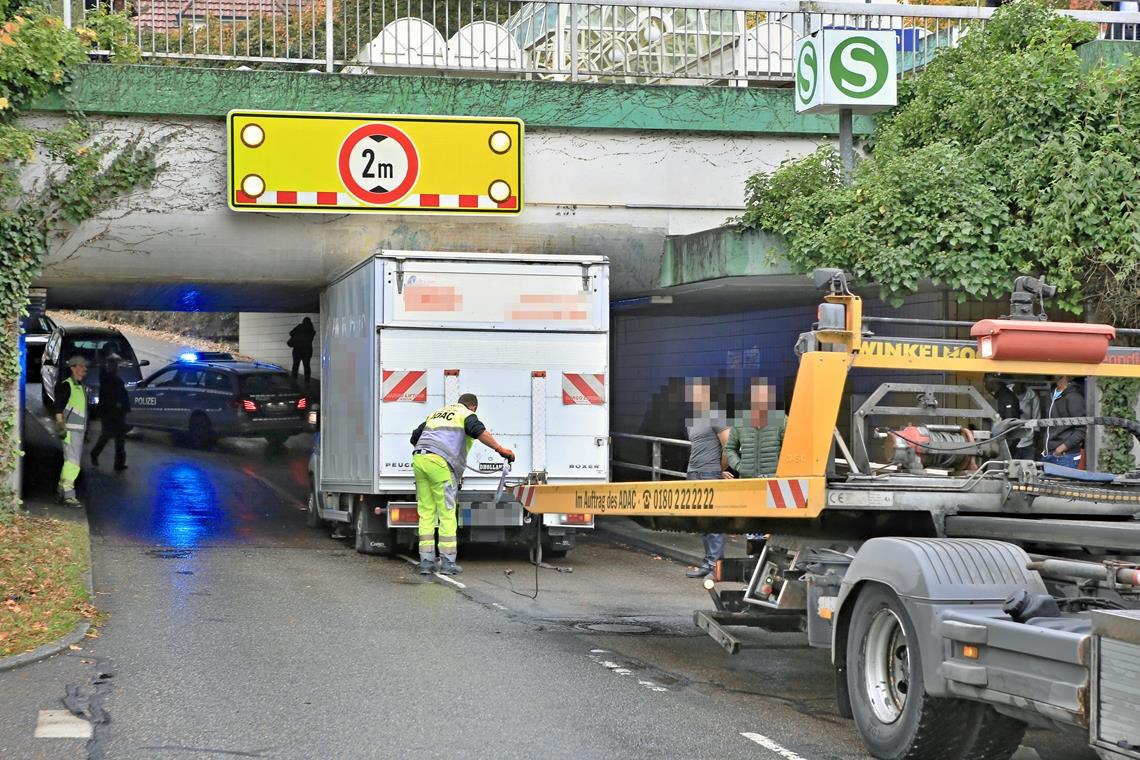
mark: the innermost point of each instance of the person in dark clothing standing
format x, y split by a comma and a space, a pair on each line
1004, 399
114, 404
1063, 443
301, 341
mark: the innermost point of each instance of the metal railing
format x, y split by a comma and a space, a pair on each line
655, 444
728, 42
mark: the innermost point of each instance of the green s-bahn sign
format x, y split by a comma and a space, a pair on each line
842, 68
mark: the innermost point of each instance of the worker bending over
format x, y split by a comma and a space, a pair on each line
440, 447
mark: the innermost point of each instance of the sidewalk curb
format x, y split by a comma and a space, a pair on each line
677, 555
11, 662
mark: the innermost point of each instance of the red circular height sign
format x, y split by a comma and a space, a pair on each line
378, 163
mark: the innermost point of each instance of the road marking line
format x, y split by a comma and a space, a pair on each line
61, 724
408, 559
499, 606
288, 497
619, 669
449, 579
767, 743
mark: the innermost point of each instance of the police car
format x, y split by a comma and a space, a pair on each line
209, 395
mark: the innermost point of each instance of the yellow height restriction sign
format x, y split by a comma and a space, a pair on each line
333, 162
745, 497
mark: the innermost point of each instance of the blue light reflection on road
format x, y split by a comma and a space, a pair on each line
185, 509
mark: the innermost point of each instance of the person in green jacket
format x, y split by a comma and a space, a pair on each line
753, 447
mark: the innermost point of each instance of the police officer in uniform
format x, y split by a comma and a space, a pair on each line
71, 424
441, 445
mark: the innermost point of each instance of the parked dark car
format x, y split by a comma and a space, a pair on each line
37, 328
94, 344
210, 396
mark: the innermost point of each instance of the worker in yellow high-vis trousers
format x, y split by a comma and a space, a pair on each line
71, 424
441, 445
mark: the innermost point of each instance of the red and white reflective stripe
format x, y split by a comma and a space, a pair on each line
787, 494
405, 385
436, 200
525, 495
582, 388
298, 198
332, 199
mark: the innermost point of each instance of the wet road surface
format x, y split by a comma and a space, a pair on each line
232, 630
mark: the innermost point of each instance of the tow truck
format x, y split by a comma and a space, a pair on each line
965, 595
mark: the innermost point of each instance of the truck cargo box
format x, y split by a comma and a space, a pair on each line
404, 333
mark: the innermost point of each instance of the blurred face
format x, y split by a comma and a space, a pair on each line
79, 371
698, 395
763, 397
1062, 382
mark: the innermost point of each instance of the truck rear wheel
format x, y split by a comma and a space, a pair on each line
894, 716
360, 524
312, 515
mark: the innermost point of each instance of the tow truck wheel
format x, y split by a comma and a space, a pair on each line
894, 716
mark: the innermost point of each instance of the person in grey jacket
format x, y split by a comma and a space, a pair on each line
708, 430
753, 448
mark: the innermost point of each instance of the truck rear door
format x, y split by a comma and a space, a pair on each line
528, 339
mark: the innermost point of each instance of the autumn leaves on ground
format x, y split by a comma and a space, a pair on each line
43, 593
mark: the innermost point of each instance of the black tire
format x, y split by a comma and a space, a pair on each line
549, 553
996, 736
200, 432
882, 640
312, 517
359, 539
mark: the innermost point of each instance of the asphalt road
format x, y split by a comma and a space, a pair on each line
232, 630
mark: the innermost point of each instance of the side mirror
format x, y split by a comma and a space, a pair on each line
144, 363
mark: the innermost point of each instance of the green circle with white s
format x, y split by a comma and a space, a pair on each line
807, 72
859, 67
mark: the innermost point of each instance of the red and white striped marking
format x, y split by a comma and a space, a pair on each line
334, 199
525, 495
582, 388
787, 494
404, 385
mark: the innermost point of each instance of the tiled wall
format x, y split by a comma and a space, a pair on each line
652, 353
263, 336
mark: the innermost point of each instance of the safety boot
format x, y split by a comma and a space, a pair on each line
448, 567
427, 566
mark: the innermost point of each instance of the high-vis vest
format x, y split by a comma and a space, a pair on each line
444, 435
75, 413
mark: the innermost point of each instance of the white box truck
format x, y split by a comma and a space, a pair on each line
406, 332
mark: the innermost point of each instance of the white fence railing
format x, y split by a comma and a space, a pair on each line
732, 42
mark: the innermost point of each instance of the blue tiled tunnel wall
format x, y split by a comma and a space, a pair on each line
653, 352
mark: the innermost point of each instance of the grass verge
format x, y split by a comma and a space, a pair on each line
43, 592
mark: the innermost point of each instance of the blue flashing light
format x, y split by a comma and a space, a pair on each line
188, 357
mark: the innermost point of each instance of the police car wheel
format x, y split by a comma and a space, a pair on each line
200, 431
